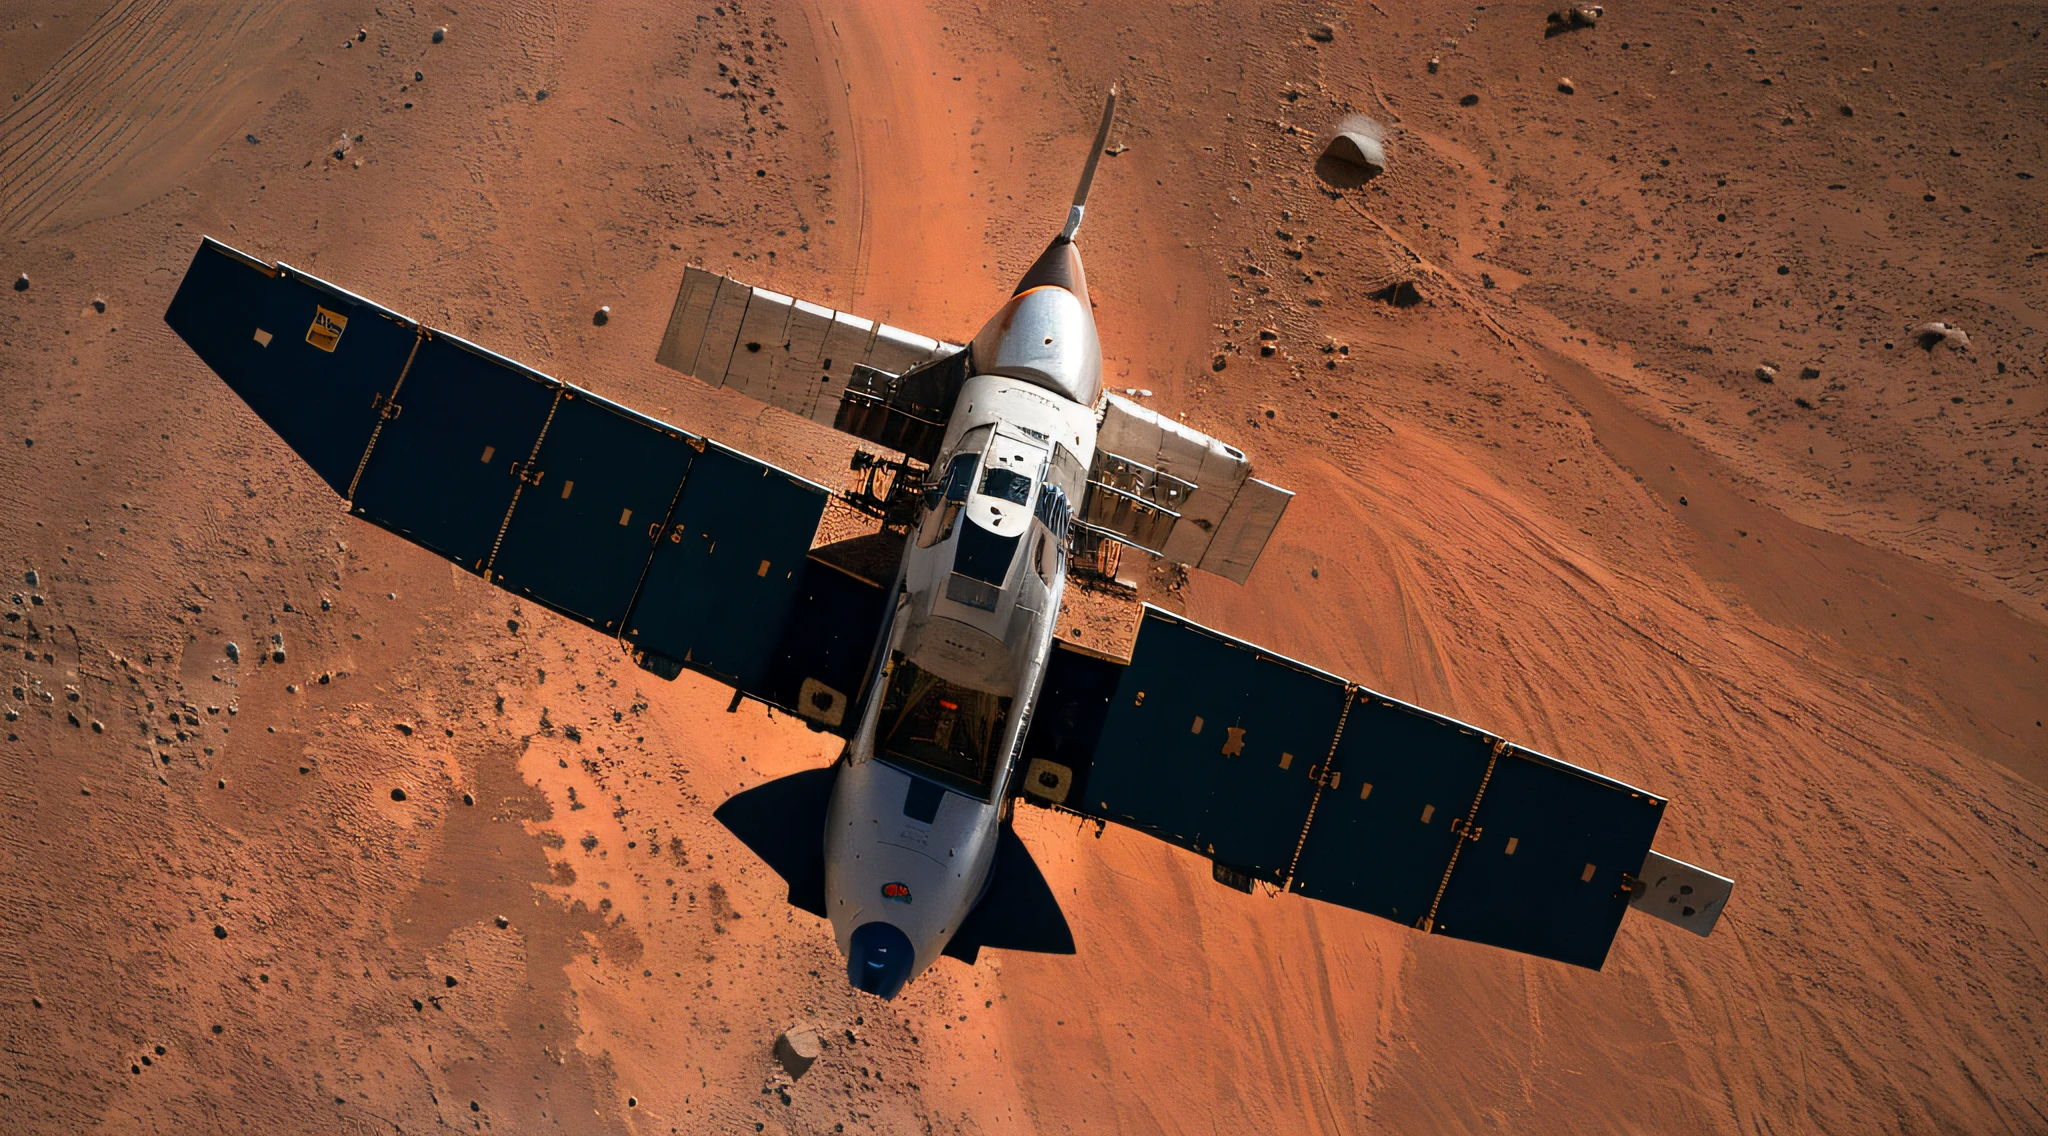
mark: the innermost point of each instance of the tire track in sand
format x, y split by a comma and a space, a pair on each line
133, 104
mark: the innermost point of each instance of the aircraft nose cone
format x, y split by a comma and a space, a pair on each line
879, 959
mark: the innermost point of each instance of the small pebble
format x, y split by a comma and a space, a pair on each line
440, 34
99, 304
603, 316
1565, 86
21, 282
398, 794
234, 653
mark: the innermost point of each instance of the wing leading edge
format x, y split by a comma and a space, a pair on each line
1281, 773
689, 553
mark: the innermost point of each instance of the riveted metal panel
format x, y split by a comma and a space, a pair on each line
762, 335
249, 322
1681, 894
597, 499
449, 460
726, 571
896, 350
722, 331
846, 344
1246, 526
686, 323
798, 384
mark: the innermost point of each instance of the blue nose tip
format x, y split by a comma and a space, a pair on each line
879, 958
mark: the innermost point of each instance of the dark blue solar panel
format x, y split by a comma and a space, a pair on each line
1557, 894
600, 513
1383, 834
591, 509
1397, 811
461, 433
1211, 744
728, 569
258, 326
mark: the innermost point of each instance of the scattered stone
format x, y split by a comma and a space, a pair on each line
419, 76
603, 316
1578, 16
1469, 101
1809, 372
503, 922
276, 647
219, 932
1848, 111
1322, 33
99, 304
1435, 64
1359, 142
468, 799
234, 653
450, 980
403, 728
797, 1048
32, 579
440, 34
1932, 335
326, 605
1765, 373
398, 794
21, 282
1565, 86
362, 34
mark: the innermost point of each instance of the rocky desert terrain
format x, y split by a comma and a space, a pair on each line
1652, 474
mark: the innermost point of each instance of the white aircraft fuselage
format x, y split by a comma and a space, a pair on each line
916, 810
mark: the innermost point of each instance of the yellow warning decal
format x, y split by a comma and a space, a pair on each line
327, 328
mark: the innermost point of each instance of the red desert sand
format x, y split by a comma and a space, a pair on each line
451, 862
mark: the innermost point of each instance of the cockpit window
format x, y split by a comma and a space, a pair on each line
943, 498
1006, 485
948, 733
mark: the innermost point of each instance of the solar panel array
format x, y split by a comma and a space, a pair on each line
1285, 774
690, 553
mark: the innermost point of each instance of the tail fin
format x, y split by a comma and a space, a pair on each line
1018, 912
1088, 171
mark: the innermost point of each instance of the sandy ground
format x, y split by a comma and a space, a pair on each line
1552, 498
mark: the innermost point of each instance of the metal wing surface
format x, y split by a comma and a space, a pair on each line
691, 554
1285, 774
784, 351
